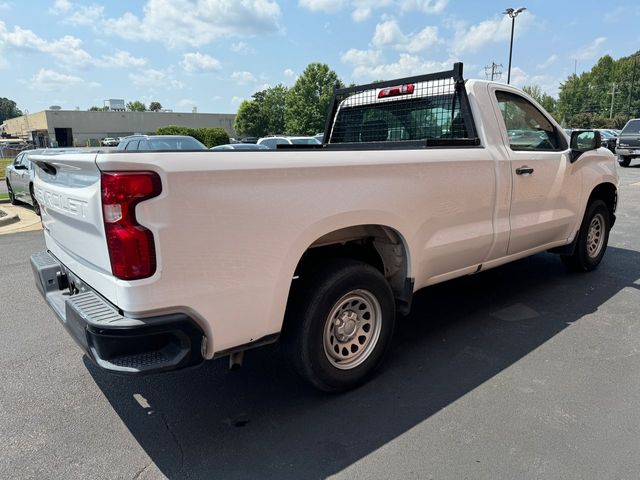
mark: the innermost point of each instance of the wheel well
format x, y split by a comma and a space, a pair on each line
608, 194
380, 246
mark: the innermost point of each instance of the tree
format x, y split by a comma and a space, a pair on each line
136, 106
263, 114
250, 120
155, 106
8, 109
273, 108
99, 109
308, 100
547, 101
609, 91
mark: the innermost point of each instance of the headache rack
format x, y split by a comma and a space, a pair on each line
414, 112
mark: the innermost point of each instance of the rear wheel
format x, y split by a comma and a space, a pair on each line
592, 239
12, 196
624, 161
339, 324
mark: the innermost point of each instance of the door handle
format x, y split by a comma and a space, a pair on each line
524, 170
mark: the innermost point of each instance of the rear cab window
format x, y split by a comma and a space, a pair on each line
429, 110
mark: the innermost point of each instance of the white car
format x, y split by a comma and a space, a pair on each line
273, 141
110, 142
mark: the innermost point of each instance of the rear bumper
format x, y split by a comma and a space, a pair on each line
113, 341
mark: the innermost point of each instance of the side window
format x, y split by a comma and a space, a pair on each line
18, 160
132, 145
527, 127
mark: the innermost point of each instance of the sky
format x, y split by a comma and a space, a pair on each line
212, 54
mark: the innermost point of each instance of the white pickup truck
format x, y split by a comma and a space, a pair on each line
161, 260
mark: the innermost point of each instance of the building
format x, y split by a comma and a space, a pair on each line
66, 128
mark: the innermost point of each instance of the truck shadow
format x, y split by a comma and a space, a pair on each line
262, 422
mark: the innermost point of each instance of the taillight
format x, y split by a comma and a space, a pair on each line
131, 248
398, 90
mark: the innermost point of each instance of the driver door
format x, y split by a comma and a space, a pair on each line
546, 189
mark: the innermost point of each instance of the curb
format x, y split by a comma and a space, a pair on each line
8, 219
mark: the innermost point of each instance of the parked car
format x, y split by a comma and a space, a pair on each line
608, 139
20, 174
110, 142
274, 141
159, 142
240, 146
628, 144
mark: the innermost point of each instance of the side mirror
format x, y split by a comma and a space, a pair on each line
584, 141
20, 166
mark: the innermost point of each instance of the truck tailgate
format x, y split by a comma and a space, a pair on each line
68, 190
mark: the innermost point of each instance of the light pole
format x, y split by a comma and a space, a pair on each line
513, 13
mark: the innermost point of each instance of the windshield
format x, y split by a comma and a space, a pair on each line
633, 127
305, 141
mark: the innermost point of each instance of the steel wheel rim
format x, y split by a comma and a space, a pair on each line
595, 236
352, 329
10, 191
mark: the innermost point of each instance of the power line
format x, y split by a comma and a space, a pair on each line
493, 71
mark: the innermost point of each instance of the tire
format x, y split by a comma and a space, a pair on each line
592, 239
624, 161
36, 205
339, 324
12, 196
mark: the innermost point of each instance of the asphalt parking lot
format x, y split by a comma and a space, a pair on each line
525, 371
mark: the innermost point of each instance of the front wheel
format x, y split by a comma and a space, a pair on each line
339, 324
624, 161
12, 196
592, 239
36, 205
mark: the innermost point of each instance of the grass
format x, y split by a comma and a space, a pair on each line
3, 163
4, 196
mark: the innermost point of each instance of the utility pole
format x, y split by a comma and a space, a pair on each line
493, 71
633, 82
613, 96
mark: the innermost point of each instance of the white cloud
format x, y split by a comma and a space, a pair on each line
363, 9
242, 48
243, 77
548, 62
61, 6
199, 62
122, 59
196, 22
186, 102
473, 38
357, 57
86, 15
236, 100
388, 33
152, 78
406, 65
5, 6
289, 73
326, 6
67, 49
591, 50
431, 7
46, 80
